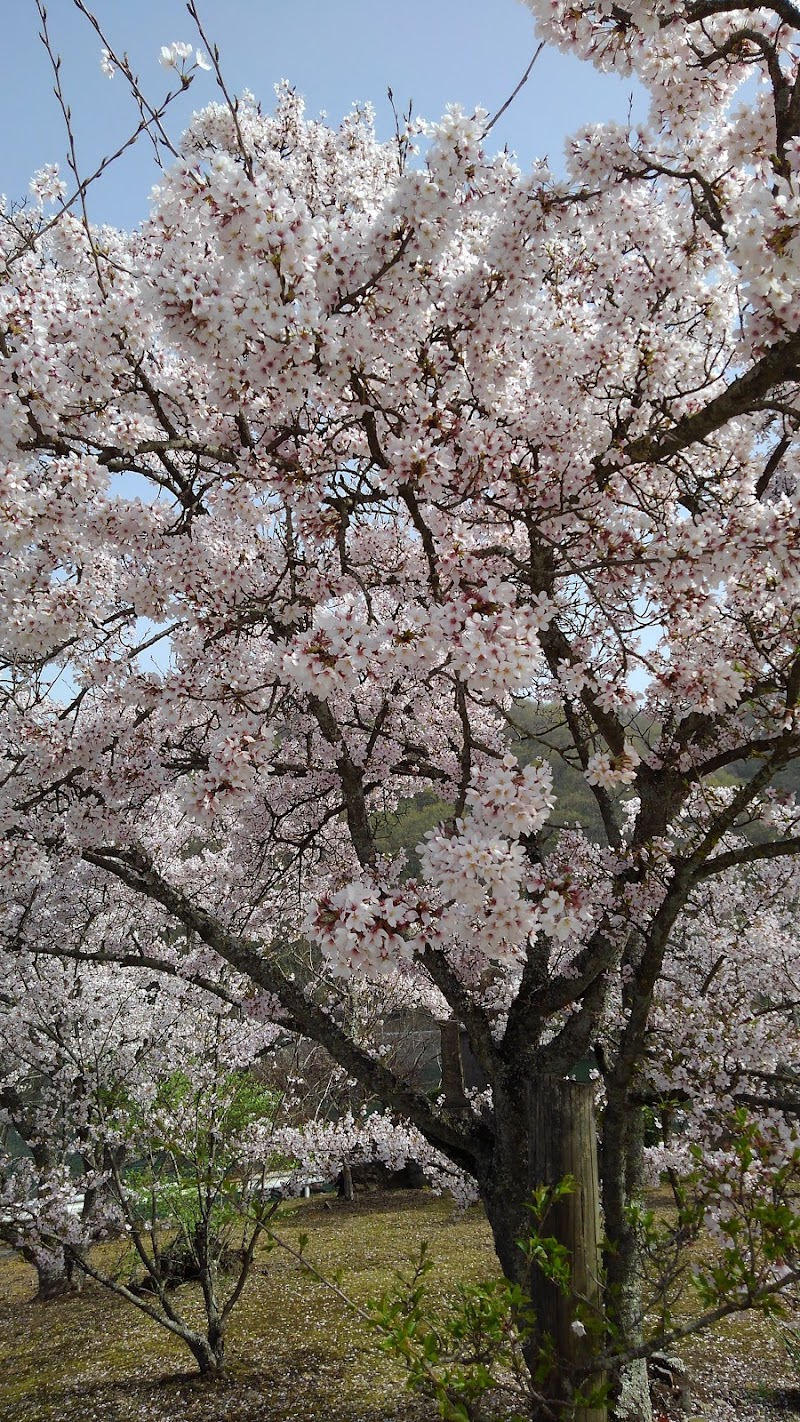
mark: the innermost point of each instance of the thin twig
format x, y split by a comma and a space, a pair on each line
150, 117
323, 1278
509, 101
72, 150
232, 103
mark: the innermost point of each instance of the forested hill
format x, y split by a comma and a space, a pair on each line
539, 732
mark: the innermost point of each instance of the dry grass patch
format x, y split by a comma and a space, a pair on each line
294, 1350
295, 1353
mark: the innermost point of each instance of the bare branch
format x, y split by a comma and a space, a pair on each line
512, 96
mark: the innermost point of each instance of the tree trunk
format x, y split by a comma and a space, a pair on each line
622, 1171
563, 1141
347, 1181
55, 1277
209, 1353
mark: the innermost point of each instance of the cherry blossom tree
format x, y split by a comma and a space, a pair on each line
135, 1099
351, 448
72, 1036
148, 1111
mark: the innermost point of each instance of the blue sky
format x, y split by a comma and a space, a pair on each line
335, 52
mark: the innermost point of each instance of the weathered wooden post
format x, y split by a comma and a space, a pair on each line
455, 1096
562, 1140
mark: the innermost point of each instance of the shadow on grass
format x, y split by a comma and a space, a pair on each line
296, 1390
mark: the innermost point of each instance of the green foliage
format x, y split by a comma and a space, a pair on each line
749, 1195
184, 1183
481, 1353
543, 1251
734, 1237
236, 1102
460, 1352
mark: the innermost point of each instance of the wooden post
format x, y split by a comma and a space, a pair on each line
455, 1096
347, 1181
562, 1140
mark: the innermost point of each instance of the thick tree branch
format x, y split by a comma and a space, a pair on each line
748, 854
778, 365
134, 868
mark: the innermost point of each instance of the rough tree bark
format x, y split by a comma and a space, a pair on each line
622, 1171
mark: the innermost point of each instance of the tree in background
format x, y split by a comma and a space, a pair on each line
135, 1100
71, 1037
151, 1102
372, 444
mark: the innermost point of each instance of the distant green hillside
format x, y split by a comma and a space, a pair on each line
539, 732
536, 735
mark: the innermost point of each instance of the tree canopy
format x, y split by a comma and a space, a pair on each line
352, 449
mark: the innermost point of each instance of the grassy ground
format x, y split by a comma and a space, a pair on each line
294, 1351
